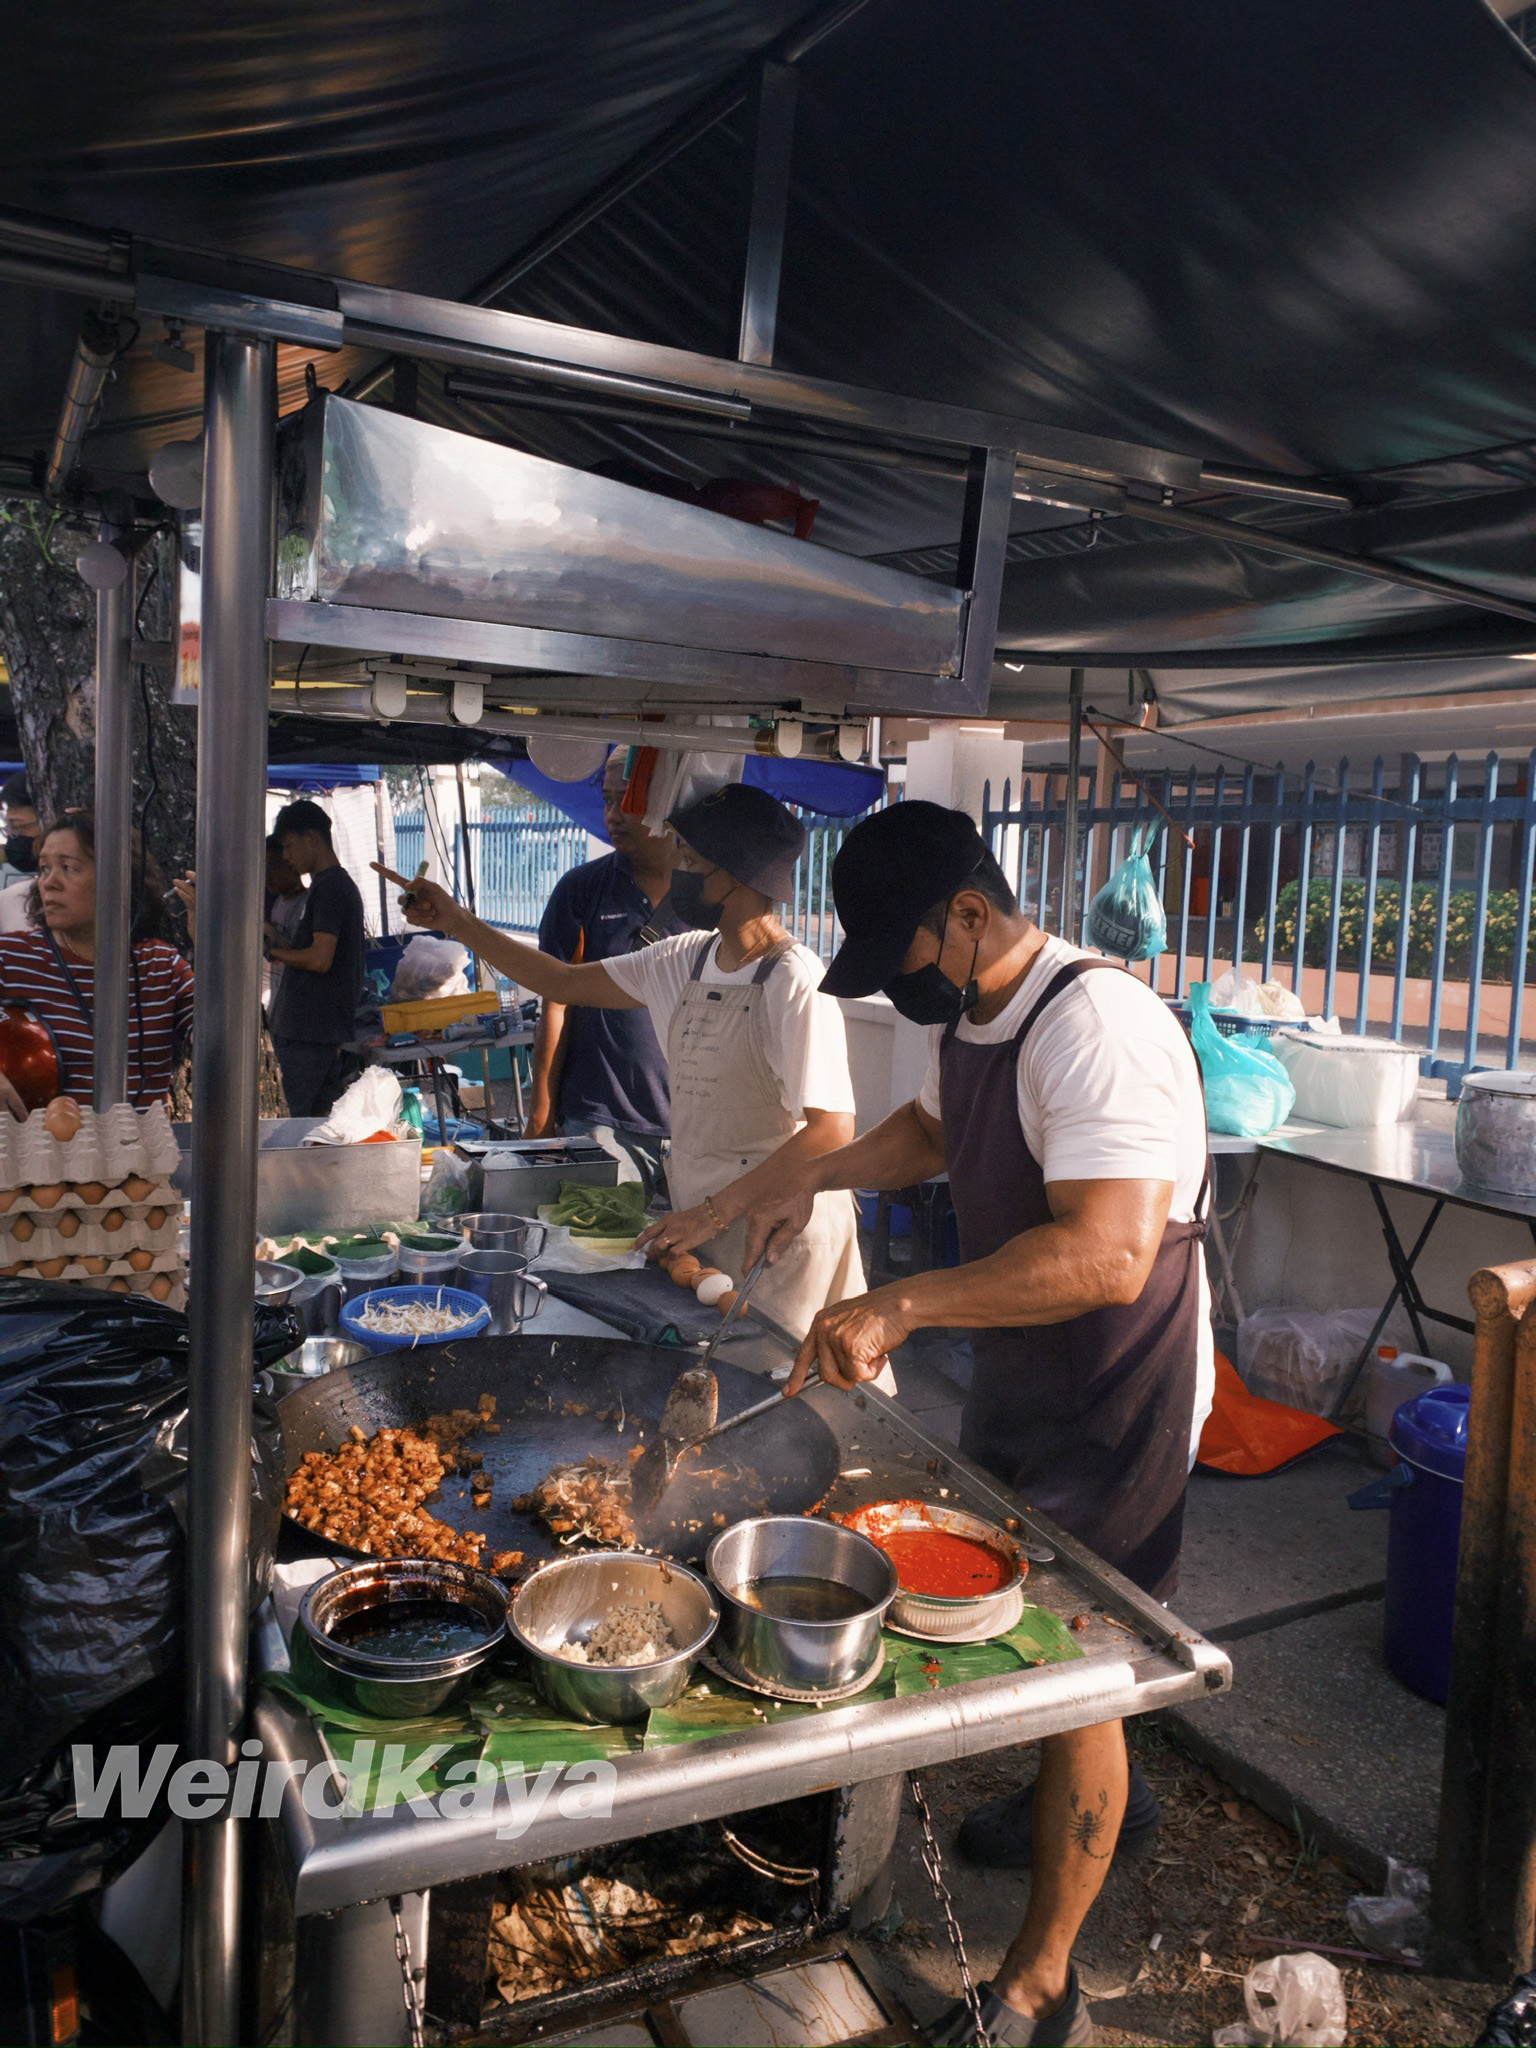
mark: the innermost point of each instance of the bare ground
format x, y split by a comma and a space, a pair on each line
1219, 1878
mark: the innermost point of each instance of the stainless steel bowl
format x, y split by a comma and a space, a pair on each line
941, 1614
276, 1283
317, 1300
570, 1596
809, 1656
399, 1688
498, 1230
318, 1355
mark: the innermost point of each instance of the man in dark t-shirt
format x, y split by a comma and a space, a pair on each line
600, 1073
314, 1013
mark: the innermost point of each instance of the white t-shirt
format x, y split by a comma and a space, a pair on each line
15, 901
804, 1037
1108, 1090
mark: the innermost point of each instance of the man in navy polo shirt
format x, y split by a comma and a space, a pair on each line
600, 1073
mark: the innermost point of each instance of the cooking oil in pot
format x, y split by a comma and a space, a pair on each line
794, 1597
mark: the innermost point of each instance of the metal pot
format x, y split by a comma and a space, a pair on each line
319, 1355
569, 1597
940, 1614
806, 1655
498, 1230
317, 1300
400, 1688
1496, 1132
503, 1282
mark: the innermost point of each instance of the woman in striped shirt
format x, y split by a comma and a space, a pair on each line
51, 970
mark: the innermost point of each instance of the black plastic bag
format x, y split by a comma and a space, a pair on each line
93, 1422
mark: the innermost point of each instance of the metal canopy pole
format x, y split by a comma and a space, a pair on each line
1069, 828
241, 411
114, 836
773, 147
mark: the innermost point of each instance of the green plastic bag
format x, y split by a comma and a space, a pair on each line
1126, 917
1247, 1091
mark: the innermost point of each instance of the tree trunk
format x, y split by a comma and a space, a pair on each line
48, 630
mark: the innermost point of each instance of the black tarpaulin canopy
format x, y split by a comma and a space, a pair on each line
1297, 238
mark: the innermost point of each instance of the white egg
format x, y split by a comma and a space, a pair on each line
711, 1286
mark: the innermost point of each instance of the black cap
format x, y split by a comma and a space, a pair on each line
748, 833
891, 871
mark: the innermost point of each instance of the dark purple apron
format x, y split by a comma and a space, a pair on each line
1087, 1420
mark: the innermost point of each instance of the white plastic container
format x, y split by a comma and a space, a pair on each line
1348, 1082
1392, 1378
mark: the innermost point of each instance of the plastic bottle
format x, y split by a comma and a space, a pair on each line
1393, 1378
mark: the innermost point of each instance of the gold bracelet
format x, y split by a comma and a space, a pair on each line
714, 1215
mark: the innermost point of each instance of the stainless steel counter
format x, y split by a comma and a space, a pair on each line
1415, 1156
1137, 1657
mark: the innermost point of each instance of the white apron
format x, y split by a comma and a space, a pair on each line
727, 1117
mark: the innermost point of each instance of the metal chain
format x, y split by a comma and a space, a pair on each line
934, 1866
415, 2003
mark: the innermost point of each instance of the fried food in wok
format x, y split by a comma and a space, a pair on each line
370, 1493
590, 1499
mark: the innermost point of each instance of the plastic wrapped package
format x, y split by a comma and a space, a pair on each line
1126, 917
1247, 1091
93, 1451
1304, 1356
372, 1104
447, 1188
1295, 2000
1349, 1083
430, 967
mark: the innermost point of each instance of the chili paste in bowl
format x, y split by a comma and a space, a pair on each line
960, 1576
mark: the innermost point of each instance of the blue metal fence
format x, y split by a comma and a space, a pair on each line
518, 857
1415, 886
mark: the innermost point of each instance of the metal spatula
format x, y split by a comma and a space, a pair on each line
689, 1416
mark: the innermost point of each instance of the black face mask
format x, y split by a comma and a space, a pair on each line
928, 996
687, 896
21, 854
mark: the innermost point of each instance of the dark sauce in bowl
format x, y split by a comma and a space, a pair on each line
410, 1629
797, 1598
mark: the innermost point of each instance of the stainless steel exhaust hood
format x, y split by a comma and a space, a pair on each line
406, 542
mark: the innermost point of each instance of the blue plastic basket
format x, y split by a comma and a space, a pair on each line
456, 1298
1233, 1024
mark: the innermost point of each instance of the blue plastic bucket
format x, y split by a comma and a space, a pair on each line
1429, 1435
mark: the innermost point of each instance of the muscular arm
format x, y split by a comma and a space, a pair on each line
589, 985
1096, 1252
551, 1043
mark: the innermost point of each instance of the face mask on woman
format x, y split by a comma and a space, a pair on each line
687, 895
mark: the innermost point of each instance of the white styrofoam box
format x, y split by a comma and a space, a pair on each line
1348, 1082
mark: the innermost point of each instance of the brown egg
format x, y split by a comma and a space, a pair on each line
160, 1287
61, 1119
155, 1219
68, 1224
48, 1194
51, 1268
113, 1220
141, 1261
95, 1263
91, 1192
10, 1272
685, 1271
727, 1301
7, 1197
118, 1286
23, 1229
137, 1188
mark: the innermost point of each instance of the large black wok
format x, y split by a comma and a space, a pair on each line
781, 1463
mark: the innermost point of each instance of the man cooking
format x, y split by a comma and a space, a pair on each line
757, 1060
1064, 1102
601, 1074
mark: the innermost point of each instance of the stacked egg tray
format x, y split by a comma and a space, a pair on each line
96, 1206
